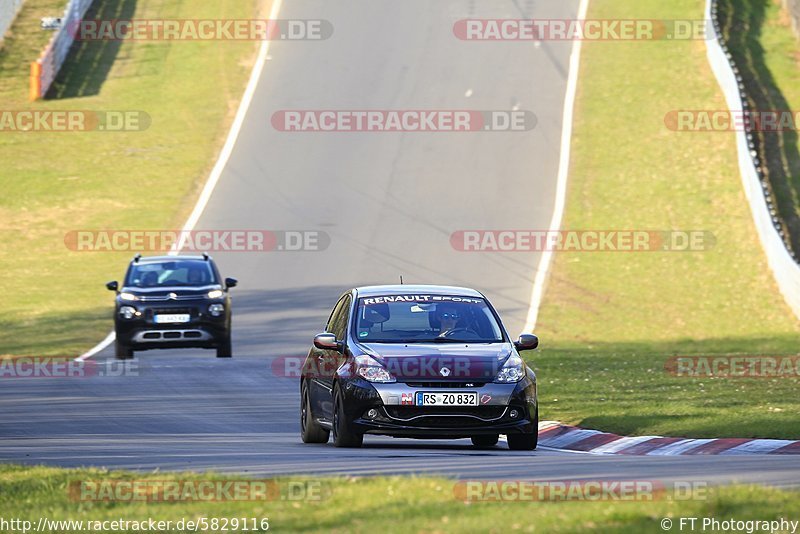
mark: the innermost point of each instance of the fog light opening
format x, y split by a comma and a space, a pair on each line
513, 414
372, 413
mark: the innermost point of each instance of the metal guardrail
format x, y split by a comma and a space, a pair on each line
8, 12
781, 260
45, 69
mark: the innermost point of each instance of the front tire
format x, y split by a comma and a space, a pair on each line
122, 352
526, 442
310, 430
224, 349
342, 436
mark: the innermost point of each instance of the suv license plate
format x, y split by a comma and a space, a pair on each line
172, 318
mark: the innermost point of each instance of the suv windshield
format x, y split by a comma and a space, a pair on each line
425, 319
171, 273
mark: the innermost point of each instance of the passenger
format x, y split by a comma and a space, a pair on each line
195, 275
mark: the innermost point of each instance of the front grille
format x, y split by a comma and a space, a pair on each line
160, 335
173, 310
446, 385
427, 412
165, 298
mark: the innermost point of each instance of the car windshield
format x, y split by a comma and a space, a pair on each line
426, 319
171, 273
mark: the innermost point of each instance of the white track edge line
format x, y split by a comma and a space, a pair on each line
219, 166
563, 171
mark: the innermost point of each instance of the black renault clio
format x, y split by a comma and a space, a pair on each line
172, 302
418, 362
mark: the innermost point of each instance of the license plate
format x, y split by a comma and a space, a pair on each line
172, 318
425, 398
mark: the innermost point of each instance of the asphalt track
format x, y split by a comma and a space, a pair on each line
389, 202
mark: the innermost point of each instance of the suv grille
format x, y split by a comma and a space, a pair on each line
165, 298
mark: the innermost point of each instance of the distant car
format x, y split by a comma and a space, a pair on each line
418, 362
172, 302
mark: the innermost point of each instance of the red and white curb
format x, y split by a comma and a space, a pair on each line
554, 435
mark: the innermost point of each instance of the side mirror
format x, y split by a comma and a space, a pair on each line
327, 341
231, 282
112, 286
527, 342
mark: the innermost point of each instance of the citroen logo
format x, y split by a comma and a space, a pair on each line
172, 296
444, 371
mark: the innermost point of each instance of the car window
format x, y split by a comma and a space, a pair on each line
338, 321
426, 318
171, 273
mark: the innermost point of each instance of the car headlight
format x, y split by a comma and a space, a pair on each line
216, 309
372, 371
512, 371
215, 294
128, 312
128, 296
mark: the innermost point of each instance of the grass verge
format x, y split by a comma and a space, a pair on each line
408, 504
610, 320
54, 302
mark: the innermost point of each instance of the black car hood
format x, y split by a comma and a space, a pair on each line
164, 293
441, 362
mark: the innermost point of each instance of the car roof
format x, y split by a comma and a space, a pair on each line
373, 291
154, 259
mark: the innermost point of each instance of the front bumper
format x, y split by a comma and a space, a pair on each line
493, 415
203, 330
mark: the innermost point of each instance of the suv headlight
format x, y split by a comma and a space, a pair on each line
127, 312
512, 371
128, 296
372, 371
215, 294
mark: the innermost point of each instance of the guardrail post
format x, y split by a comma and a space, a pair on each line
36, 81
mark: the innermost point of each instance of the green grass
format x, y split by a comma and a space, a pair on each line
767, 52
408, 504
610, 320
54, 301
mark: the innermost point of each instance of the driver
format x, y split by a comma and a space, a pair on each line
448, 317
